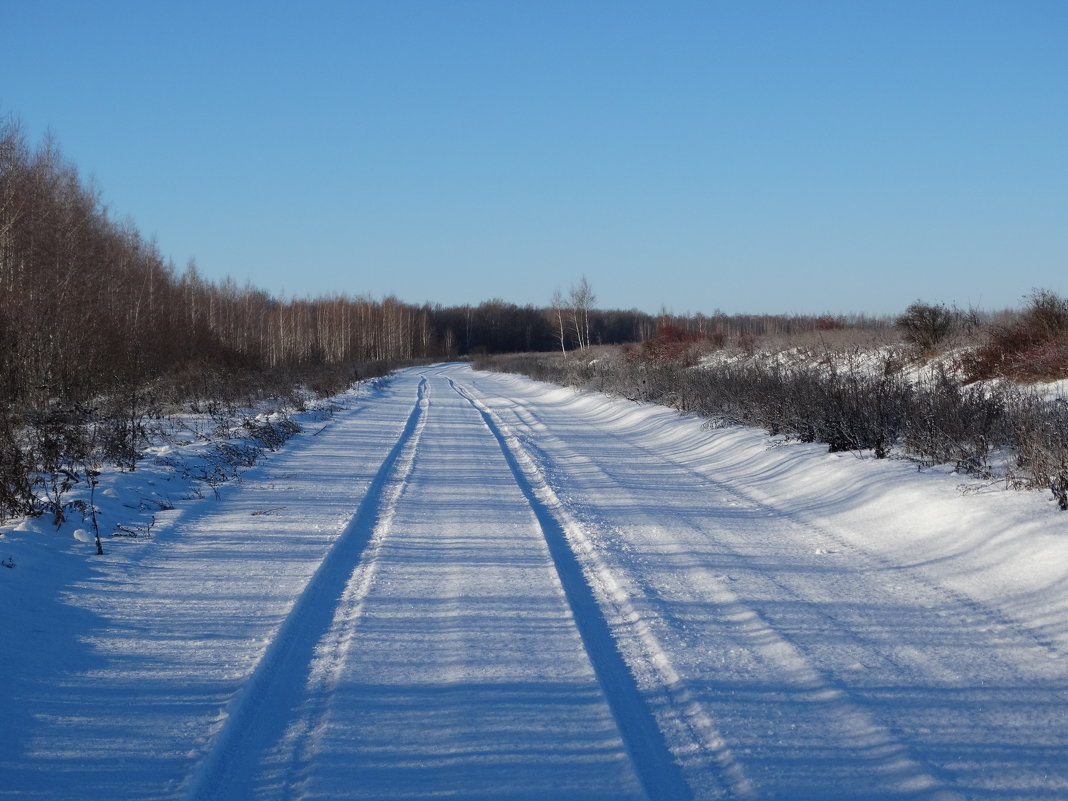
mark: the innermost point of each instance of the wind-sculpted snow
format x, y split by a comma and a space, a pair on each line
475, 586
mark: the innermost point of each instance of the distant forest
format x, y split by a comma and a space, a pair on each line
88, 304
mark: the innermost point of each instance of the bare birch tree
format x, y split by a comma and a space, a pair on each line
582, 299
558, 308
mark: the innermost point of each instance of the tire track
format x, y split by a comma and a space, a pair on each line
894, 755
986, 617
266, 711
585, 579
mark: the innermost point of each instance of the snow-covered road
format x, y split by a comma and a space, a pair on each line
476, 586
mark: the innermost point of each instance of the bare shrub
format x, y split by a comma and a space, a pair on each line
951, 423
17, 497
60, 443
271, 434
1033, 347
926, 326
671, 343
123, 413
1040, 434
1047, 316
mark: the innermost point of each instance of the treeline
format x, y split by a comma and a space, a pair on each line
99, 331
87, 303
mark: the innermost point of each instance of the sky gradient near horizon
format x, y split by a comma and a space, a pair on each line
764, 157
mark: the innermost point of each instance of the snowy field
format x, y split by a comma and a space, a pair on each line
469, 585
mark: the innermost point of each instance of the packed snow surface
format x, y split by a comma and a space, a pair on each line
476, 586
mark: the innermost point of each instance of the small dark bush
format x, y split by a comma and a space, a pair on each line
17, 497
951, 423
1040, 436
926, 326
271, 434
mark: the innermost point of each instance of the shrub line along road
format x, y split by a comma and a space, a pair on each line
475, 586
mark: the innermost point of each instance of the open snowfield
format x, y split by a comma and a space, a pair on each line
470, 585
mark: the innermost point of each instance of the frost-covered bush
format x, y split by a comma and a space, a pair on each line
1040, 434
950, 422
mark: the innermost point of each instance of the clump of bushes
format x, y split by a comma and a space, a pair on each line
1040, 437
55, 445
1033, 347
926, 326
857, 406
674, 344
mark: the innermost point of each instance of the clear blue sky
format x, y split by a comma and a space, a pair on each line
802, 156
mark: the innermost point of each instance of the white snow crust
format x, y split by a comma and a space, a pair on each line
471, 585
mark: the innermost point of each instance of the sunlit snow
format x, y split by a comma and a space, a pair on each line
471, 585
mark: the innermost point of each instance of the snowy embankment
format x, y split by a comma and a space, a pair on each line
479, 586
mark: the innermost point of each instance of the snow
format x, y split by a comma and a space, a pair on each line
477, 586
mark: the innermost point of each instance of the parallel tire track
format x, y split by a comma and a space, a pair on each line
574, 558
258, 716
986, 615
894, 755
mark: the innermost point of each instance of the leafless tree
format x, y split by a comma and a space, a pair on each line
582, 299
559, 309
